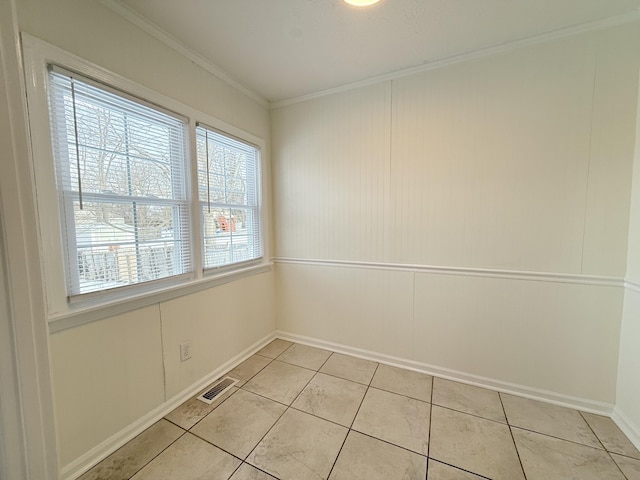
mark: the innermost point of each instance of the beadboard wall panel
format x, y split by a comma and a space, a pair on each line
363, 308
519, 162
549, 336
490, 162
613, 137
333, 162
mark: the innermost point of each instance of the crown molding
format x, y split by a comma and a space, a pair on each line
472, 55
159, 34
154, 30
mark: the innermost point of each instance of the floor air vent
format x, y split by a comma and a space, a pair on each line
218, 389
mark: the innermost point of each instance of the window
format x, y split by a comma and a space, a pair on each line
120, 173
228, 190
137, 203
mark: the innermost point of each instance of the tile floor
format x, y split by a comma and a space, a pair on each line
302, 413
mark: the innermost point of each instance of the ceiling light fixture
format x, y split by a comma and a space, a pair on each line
361, 3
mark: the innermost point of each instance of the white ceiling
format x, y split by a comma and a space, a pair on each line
283, 49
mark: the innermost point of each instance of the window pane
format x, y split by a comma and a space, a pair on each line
228, 180
120, 174
120, 244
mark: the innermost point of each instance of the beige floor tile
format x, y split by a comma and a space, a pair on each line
299, 446
190, 458
404, 382
366, 458
468, 399
440, 471
331, 398
134, 455
275, 348
549, 458
475, 444
194, 410
280, 381
350, 368
549, 419
396, 419
610, 435
304, 356
239, 424
247, 472
629, 466
248, 369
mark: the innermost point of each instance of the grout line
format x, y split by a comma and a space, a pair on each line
171, 422
263, 396
151, 460
333, 375
559, 438
265, 435
339, 452
461, 469
405, 396
255, 374
218, 447
620, 469
295, 365
363, 397
433, 383
259, 469
625, 455
467, 413
325, 362
391, 443
593, 431
513, 439
236, 469
301, 391
213, 409
349, 429
603, 445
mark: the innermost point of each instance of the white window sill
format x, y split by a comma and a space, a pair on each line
86, 314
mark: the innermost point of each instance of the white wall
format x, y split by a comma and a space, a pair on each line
628, 393
110, 373
519, 162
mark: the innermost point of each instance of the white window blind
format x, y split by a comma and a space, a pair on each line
229, 193
121, 180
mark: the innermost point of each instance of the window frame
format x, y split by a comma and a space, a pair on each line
62, 313
202, 204
67, 195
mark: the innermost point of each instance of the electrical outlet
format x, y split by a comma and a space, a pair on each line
185, 351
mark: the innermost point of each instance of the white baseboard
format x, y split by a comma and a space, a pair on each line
98, 453
591, 406
631, 430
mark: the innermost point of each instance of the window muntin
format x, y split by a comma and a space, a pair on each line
121, 181
228, 192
